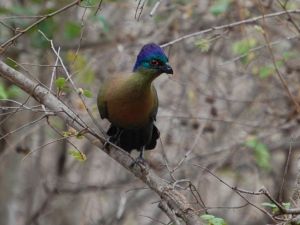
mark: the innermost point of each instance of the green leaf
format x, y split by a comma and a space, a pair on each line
60, 83
243, 47
14, 91
286, 205
78, 155
207, 217
4, 10
89, 3
104, 23
212, 220
265, 71
217, 221
261, 153
219, 7
259, 29
11, 63
269, 205
279, 63
203, 44
3, 92
72, 30
9, 92
87, 93
290, 54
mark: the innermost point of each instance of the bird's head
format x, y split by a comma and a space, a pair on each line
153, 60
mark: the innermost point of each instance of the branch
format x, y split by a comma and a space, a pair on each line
23, 31
232, 25
175, 200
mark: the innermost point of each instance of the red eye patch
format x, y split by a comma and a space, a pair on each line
155, 62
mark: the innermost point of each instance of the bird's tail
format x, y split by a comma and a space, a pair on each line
129, 139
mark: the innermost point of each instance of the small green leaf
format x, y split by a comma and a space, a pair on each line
207, 217
79, 136
217, 221
259, 29
279, 63
3, 92
270, 205
286, 205
4, 10
66, 134
14, 91
261, 153
60, 83
212, 220
72, 30
76, 154
243, 47
289, 54
104, 23
87, 93
265, 71
89, 3
219, 7
203, 44
11, 63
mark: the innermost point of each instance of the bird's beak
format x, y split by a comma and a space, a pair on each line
167, 69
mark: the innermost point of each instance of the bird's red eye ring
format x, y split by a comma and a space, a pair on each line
155, 62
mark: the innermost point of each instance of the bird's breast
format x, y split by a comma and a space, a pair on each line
131, 108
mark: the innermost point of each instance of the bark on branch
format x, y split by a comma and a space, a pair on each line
175, 201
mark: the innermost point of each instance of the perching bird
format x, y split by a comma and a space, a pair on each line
130, 102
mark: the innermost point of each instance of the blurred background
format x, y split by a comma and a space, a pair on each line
224, 109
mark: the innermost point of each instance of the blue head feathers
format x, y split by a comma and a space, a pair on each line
148, 53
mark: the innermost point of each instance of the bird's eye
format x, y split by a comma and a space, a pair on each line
155, 62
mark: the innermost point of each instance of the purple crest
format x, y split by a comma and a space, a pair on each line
148, 51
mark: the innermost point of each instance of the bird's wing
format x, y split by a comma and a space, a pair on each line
102, 104
155, 108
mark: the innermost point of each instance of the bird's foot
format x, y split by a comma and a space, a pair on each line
138, 161
106, 144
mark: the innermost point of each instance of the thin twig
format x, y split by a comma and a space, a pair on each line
233, 188
155, 7
23, 31
54, 70
73, 84
287, 163
231, 25
282, 80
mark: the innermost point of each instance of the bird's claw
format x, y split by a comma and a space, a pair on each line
138, 161
106, 144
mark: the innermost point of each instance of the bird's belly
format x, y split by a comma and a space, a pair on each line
130, 114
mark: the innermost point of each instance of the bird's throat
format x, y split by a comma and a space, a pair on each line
144, 78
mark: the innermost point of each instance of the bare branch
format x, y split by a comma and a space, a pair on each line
175, 200
21, 32
232, 25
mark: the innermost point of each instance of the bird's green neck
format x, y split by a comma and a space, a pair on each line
144, 77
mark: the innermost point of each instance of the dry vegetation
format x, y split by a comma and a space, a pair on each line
228, 118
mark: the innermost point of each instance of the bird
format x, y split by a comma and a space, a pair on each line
129, 102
